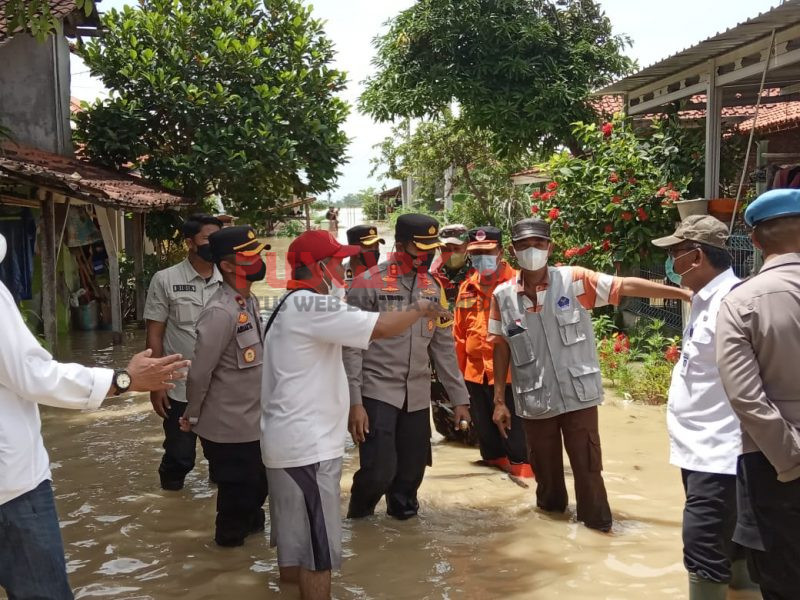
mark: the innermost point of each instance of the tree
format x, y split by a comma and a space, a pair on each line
36, 16
480, 182
521, 69
233, 97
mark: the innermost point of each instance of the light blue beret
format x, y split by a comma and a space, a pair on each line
773, 204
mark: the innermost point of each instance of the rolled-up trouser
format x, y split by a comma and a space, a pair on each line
492, 444
581, 440
241, 488
768, 526
709, 518
392, 460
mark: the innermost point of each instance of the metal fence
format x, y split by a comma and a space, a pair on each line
745, 263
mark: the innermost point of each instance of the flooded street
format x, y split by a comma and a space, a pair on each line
479, 535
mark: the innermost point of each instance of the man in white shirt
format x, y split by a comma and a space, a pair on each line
31, 552
705, 438
305, 405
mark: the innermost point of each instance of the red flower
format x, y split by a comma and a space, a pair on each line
622, 344
552, 186
673, 195
606, 245
554, 213
661, 192
627, 216
535, 209
632, 181
584, 249
613, 178
672, 354
571, 252
609, 228
642, 214
616, 200
536, 195
608, 129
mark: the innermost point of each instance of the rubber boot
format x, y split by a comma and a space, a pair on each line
501, 463
740, 576
703, 589
521, 470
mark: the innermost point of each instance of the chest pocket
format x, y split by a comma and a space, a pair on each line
185, 310
250, 352
526, 379
569, 327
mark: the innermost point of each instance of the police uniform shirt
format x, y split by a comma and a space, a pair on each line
176, 297
395, 370
224, 383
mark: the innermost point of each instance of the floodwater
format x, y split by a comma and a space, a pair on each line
479, 535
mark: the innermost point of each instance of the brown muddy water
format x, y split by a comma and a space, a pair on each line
479, 535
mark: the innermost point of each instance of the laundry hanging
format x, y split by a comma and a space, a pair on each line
16, 271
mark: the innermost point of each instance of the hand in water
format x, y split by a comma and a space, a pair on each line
502, 418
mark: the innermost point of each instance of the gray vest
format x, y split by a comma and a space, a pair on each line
554, 364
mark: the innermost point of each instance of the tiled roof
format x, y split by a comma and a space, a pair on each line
79, 179
607, 106
778, 117
74, 105
61, 9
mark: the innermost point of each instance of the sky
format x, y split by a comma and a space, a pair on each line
657, 28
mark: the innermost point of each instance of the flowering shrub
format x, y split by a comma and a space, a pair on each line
607, 206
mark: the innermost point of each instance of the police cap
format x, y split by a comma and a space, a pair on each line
236, 240
423, 230
773, 204
364, 235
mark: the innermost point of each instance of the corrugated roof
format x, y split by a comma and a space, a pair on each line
61, 10
780, 17
81, 180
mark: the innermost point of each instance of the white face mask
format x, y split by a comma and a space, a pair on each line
3, 248
532, 259
335, 289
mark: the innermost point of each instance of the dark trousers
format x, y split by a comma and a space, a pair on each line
241, 489
709, 518
492, 444
581, 439
179, 449
768, 525
392, 460
31, 551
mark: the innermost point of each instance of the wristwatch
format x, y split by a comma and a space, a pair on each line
121, 381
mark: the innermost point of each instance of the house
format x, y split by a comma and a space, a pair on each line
41, 179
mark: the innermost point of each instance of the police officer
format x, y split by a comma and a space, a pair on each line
390, 382
224, 386
365, 236
541, 326
758, 344
174, 301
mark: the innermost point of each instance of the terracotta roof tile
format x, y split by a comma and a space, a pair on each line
607, 106
772, 118
81, 180
61, 9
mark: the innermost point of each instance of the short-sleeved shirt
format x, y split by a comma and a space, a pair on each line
176, 297
304, 392
592, 290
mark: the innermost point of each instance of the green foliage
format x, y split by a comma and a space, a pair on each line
235, 98
291, 229
649, 382
36, 16
521, 69
152, 264
607, 207
480, 183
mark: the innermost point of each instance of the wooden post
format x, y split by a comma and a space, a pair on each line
713, 133
308, 217
105, 216
48, 254
138, 262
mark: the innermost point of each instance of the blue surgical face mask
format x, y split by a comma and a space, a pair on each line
669, 268
485, 264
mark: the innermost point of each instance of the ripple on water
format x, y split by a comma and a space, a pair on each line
124, 565
97, 590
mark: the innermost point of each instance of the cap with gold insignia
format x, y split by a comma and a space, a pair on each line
364, 235
697, 228
423, 230
455, 233
235, 240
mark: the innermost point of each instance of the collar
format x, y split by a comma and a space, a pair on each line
713, 286
298, 284
543, 285
473, 281
192, 274
782, 259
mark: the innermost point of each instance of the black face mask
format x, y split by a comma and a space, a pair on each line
371, 258
204, 252
252, 273
423, 260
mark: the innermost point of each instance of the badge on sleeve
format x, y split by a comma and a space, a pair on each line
243, 318
249, 355
240, 301
430, 324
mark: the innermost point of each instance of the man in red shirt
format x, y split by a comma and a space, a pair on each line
474, 352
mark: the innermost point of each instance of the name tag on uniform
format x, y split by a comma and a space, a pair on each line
390, 297
186, 287
243, 328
